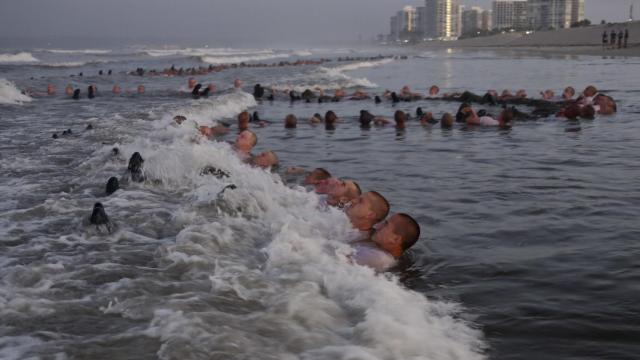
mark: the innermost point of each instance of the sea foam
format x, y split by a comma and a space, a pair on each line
10, 95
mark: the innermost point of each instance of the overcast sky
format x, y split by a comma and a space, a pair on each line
226, 22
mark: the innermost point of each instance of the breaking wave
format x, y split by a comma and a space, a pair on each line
10, 95
21, 57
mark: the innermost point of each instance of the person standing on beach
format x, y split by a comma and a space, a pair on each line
605, 38
612, 37
626, 37
620, 36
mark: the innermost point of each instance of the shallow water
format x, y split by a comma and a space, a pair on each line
528, 235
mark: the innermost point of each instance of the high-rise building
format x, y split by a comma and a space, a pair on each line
422, 22
577, 11
550, 14
486, 23
471, 20
510, 14
409, 19
394, 33
443, 19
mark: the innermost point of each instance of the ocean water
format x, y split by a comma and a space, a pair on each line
529, 240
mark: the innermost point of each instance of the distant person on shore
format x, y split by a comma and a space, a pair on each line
626, 37
612, 39
605, 40
620, 37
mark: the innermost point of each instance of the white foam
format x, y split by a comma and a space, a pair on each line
362, 65
283, 251
209, 111
302, 53
78, 51
9, 93
21, 57
238, 59
206, 52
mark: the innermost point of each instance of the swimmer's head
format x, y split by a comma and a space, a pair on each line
446, 121
367, 210
116, 89
330, 118
179, 119
140, 89
316, 175
290, 122
397, 234
568, 93
587, 112
237, 83
434, 90
191, 83
245, 141
572, 111
265, 159
400, 117
243, 121
590, 91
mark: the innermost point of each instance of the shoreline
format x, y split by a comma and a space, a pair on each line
574, 41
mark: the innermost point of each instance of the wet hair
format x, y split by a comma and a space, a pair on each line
572, 111
380, 206
571, 90
590, 91
321, 174
365, 118
254, 137
330, 117
587, 112
400, 116
507, 115
447, 120
410, 231
244, 117
179, 119
290, 122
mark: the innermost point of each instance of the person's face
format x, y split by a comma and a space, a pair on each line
433, 90
385, 235
568, 93
192, 82
264, 159
313, 178
360, 207
335, 187
244, 141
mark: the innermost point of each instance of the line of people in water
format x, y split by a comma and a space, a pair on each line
381, 243
203, 70
609, 40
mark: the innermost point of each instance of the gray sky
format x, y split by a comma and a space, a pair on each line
226, 22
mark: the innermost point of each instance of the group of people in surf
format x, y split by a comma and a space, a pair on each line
381, 242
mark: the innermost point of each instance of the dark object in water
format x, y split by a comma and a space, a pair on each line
109, 72
76, 94
67, 132
395, 98
115, 151
482, 112
99, 216
100, 72
270, 97
258, 91
377, 99
112, 185
54, 136
419, 112
212, 170
90, 92
89, 127
230, 187
255, 117
196, 90
135, 167
365, 118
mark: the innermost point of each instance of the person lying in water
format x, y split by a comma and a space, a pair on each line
389, 241
339, 192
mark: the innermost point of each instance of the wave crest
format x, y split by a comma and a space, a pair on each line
10, 95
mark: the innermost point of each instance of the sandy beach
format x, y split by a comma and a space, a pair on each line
575, 41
